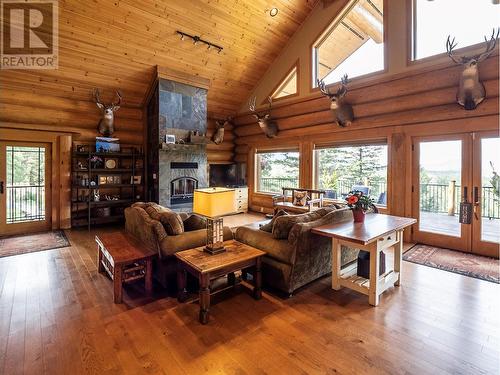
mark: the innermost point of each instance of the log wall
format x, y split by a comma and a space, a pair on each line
395, 108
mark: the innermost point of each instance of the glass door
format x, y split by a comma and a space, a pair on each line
441, 181
24, 187
486, 194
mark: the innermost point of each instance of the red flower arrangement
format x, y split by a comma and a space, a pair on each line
358, 201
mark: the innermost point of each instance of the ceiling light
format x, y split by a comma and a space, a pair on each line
273, 12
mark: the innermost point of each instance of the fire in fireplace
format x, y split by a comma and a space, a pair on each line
182, 190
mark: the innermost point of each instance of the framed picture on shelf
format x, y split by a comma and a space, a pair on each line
105, 144
135, 180
82, 148
109, 180
170, 138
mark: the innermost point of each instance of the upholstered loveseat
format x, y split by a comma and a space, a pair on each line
167, 232
295, 256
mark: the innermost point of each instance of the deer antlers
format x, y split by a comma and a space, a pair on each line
342, 90
490, 46
251, 106
100, 104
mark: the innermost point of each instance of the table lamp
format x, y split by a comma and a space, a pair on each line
212, 203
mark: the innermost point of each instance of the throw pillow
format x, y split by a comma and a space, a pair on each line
299, 198
170, 220
172, 223
194, 222
269, 226
283, 224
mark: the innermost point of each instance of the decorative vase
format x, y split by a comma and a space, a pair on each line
359, 215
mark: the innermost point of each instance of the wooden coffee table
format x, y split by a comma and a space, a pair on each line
207, 267
377, 233
124, 259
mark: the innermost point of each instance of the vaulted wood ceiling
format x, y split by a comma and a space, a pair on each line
115, 44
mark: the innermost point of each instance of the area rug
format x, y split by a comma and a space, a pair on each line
467, 264
31, 243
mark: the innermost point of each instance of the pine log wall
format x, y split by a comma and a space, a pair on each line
397, 108
23, 109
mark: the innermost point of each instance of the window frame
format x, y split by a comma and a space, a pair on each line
256, 177
411, 45
320, 37
295, 68
386, 141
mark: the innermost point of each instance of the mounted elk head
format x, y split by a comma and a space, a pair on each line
266, 123
342, 110
218, 136
471, 91
106, 123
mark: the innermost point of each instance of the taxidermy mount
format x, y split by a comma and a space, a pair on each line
106, 123
218, 136
266, 123
471, 91
342, 110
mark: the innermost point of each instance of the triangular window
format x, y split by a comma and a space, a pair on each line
288, 86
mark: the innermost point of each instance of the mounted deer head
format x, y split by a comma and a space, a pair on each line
218, 136
342, 110
471, 91
106, 123
266, 123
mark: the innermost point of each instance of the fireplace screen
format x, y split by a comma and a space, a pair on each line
182, 189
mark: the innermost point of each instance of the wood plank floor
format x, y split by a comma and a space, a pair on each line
57, 317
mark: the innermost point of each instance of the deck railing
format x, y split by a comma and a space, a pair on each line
433, 197
274, 185
25, 203
436, 198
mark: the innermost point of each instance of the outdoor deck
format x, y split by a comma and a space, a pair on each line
448, 225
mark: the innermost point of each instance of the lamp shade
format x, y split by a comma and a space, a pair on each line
213, 202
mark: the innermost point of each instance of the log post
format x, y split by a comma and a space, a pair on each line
451, 197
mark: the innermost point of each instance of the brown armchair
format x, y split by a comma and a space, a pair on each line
284, 201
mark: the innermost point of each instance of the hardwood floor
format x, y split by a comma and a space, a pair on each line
57, 317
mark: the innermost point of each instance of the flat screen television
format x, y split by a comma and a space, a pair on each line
224, 175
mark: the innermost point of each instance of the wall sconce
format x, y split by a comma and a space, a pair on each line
197, 39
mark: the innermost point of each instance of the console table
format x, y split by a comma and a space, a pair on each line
378, 233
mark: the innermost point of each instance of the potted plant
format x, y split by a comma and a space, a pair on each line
359, 203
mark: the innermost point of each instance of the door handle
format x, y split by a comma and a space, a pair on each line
464, 197
476, 201
1, 187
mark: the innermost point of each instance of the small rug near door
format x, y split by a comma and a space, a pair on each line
471, 265
31, 243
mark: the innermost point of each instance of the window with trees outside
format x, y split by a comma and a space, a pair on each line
276, 170
350, 42
357, 167
465, 20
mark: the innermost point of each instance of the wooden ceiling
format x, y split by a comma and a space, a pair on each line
116, 44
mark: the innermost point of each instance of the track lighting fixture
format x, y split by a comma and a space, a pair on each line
197, 39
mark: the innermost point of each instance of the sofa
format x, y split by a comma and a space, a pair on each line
167, 232
295, 256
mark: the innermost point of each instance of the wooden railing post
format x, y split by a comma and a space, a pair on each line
451, 198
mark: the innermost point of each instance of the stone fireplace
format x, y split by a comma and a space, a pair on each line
175, 170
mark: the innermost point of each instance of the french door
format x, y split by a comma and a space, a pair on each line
451, 169
25, 190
